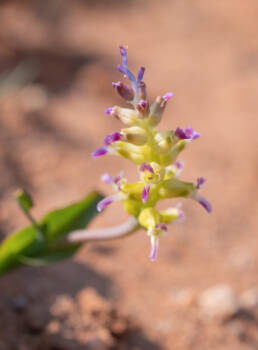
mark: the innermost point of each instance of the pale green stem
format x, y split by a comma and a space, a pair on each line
114, 232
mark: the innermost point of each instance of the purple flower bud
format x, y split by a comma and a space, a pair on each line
115, 136
168, 96
156, 110
140, 74
99, 152
191, 133
187, 133
200, 182
154, 249
145, 193
124, 90
180, 133
146, 166
105, 202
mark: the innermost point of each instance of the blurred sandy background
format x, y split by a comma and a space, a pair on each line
57, 61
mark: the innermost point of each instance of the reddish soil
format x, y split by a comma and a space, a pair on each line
63, 58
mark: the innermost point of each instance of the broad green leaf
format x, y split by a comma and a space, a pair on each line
74, 217
53, 255
54, 225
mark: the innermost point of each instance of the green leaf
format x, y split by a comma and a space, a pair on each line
54, 255
74, 217
24, 244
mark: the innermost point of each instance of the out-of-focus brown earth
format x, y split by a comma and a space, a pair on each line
57, 61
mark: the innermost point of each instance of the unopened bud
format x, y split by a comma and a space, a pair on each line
124, 90
163, 141
157, 108
126, 115
171, 156
143, 108
172, 214
175, 188
135, 135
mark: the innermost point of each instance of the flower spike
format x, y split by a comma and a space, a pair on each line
154, 152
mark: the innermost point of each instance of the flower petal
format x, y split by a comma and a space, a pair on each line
145, 193
168, 96
146, 166
115, 136
124, 90
188, 133
108, 110
154, 248
105, 202
204, 203
180, 133
123, 53
99, 152
140, 74
200, 182
106, 178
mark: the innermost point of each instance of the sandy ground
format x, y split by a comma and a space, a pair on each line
65, 54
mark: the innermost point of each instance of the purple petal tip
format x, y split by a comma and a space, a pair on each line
146, 167
143, 103
145, 193
154, 251
168, 96
108, 110
115, 136
200, 182
179, 164
161, 226
123, 50
99, 152
188, 133
140, 74
106, 178
205, 204
105, 202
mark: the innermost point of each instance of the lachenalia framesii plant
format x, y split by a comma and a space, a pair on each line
155, 154
61, 232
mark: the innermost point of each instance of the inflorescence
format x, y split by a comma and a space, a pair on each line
154, 152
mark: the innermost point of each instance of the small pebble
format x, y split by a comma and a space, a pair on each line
218, 302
